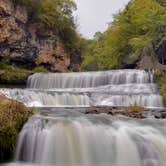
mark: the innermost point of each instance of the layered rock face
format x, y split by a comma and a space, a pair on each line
24, 44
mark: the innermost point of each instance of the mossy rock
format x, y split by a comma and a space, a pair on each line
13, 116
135, 108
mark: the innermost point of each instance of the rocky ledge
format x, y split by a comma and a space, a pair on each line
22, 43
132, 112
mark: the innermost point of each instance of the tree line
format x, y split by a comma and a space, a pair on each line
136, 31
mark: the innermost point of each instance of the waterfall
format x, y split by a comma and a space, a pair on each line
145, 95
92, 141
87, 79
107, 88
67, 137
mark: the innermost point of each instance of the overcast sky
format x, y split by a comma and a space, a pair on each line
94, 15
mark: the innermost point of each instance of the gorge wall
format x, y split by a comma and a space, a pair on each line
24, 44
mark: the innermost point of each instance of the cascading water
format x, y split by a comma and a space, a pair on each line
109, 88
92, 141
88, 79
68, 137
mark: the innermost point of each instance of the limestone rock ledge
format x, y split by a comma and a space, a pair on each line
132, 112
22, 43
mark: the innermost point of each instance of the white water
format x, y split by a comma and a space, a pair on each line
121, 95
92, 141
87, 79
70, 138
109, 88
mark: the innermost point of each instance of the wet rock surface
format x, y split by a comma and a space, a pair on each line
139, 114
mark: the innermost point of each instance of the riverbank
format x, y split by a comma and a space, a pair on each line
161, 81
12, 75
13, 116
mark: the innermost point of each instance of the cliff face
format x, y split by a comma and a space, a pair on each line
24, 44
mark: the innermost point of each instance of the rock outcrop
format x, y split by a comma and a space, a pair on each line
24, 44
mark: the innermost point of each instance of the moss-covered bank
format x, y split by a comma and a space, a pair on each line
13, 75
160, 77
13, 115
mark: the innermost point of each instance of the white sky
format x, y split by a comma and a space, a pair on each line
94, 15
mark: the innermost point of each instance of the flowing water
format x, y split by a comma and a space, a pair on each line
110, 88
62, 135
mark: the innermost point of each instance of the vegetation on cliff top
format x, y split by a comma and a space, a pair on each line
136, 31
13, 115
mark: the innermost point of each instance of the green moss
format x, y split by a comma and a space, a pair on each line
14, 75
13, 115
135, 108
163, 93
161, 81
40, 70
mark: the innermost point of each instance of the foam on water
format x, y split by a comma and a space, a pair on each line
87, 79
92, 141
63, 137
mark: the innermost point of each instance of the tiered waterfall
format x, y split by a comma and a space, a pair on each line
62, 135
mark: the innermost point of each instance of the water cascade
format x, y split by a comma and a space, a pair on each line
88, 79
68, 137
92, 141
109, 88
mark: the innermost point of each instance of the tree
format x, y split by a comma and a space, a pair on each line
139, 27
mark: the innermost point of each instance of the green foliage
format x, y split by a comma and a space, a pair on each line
135, 108
39, 70
90, 61
14, 75
135, 32
13, 115
161, 80
163, 93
